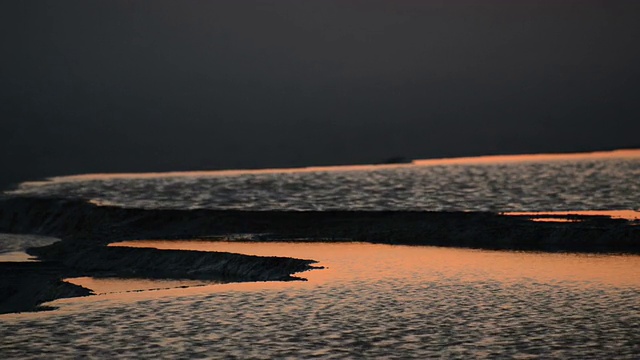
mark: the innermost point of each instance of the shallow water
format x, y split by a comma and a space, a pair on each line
371, 301
351, 262
633, 215
514, 183
104, 286
13, 246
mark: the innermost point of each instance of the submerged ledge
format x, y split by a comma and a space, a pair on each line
129, 262
84, 224
86, 229
25, 285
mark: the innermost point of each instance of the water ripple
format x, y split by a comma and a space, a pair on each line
520, 307
603, 184
474, 320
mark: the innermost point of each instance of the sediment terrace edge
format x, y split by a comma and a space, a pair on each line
79, 222
86, 229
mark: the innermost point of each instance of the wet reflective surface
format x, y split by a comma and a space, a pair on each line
371, 301
632, 215
570, 182
102, 286
16, 256
352, 262
13, 246
378, 301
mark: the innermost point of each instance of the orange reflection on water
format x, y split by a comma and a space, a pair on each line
363, 264
350, 262
614, 214
499, 159
17, 256
116, 285
490, 159
559, 220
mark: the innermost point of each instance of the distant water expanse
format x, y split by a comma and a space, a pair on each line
368, 300
556, 182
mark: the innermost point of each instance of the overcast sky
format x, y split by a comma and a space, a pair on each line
122, 86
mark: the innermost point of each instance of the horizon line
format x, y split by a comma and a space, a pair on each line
447, 161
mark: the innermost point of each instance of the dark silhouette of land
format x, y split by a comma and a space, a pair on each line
86, 229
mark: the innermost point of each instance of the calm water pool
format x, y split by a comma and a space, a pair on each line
370, 301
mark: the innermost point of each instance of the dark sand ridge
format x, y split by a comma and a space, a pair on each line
86, 229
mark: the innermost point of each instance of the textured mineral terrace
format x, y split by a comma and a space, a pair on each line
86, 229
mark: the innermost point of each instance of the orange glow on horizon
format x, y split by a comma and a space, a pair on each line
491, 159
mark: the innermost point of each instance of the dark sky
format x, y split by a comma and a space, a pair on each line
121, 86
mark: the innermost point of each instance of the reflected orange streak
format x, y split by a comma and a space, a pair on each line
492, 159
17, 256
117, 285
615, 214
497, 159
348, 262
560, 220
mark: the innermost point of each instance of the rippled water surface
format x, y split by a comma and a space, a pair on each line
516, 183
371, 301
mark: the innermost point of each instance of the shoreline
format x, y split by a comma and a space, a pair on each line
86, 229
616, 153
82, 223
24, 286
